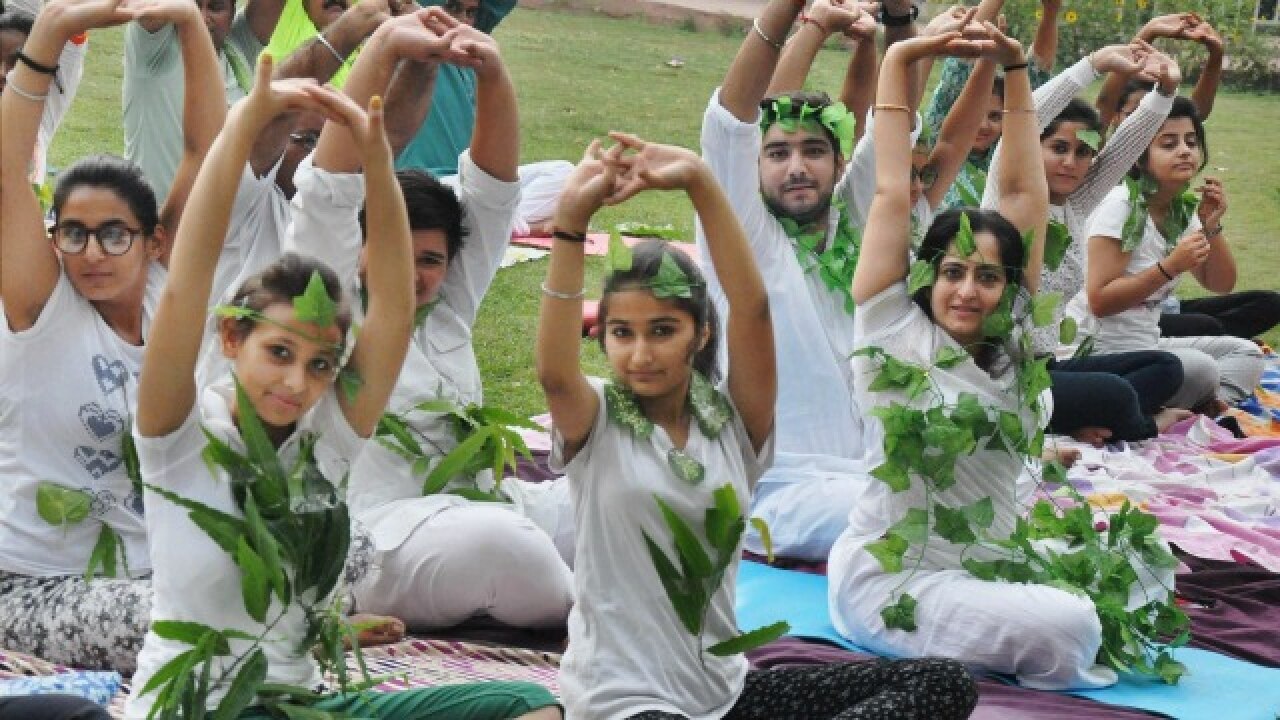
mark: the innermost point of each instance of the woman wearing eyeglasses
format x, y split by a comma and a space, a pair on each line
78, 301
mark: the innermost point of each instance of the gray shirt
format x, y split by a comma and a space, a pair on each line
153, 90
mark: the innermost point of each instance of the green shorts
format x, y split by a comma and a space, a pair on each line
471, 701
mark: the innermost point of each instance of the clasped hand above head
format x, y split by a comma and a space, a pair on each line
855, 19
631, 165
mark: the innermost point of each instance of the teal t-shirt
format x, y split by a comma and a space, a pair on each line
447, 130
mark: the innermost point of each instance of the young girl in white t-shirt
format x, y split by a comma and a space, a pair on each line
245, 478
662, 459
1142, 238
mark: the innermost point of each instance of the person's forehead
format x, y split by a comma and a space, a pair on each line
777, 134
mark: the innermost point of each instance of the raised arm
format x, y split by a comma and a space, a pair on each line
166, 391
1024, 191
204, 106
1206, 89
886, 237
495, 140
825, 18
749, 332
1044, 48
1162, 26
752, 69
384, 338
263, 16
572, 402
859, 88
28, 265
421, 38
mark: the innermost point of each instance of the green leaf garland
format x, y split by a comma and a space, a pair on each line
835, 262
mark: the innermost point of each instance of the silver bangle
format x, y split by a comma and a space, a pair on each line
325, 42
563, 295
33, 97
755, 25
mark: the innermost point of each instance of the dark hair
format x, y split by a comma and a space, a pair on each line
816, 100
114, 173
997, 87
1131, 86
281, 282
1182, 108
1076, 111
431, 205
943, 231
16, 20
646, 260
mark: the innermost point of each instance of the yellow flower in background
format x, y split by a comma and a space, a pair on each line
1142, 4
1119, 15
1120, 3
1072, 16
1039, 14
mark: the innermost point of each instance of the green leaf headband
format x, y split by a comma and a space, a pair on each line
313, 306
670, 280
835, 117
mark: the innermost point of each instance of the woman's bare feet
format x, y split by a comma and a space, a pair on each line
1167, 417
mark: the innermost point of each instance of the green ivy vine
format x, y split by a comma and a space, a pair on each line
923, 444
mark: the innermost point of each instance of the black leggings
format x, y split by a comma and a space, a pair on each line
874, 690
51, 707
1117, 391
1245, 315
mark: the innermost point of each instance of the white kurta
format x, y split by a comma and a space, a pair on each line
1047, 637
628, 652
425, 581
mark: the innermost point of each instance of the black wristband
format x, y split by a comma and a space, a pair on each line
1018, 66
898, 20
43, 69
567, 236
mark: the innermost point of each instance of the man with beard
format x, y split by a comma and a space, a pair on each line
153, 86
781, 162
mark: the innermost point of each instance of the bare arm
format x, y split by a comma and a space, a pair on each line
1111, 291
1218, 271
1110, 96
859, 89
825, 18
1044, 48
263, 16
570, 398
752, 69
959, 130
1024, 191
27, 260
1211, 74
204, 106
495, 141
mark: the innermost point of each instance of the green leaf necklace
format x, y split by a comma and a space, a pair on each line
709, 408
835, 263
1176, 220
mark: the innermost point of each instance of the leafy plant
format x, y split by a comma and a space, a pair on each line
692, 585
486, 441
290, 546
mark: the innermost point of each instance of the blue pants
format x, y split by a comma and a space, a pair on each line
1117, 391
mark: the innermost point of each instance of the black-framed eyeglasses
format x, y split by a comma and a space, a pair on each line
114, 238
305, 138
927, 175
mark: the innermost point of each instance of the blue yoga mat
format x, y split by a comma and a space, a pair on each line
1216, 687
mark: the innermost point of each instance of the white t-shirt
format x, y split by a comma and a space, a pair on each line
1138, 327
628, 652
68, 389
194, 580
819, 425
441, 363
893, 321
154, 87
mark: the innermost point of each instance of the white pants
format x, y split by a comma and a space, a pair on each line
540, 187
1047, 637
470, 560
1220, 366
805, 517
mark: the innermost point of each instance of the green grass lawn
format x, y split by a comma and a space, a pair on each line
579, 76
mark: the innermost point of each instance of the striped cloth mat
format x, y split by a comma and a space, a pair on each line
412, 663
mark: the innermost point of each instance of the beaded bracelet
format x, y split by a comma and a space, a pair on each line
325, 42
